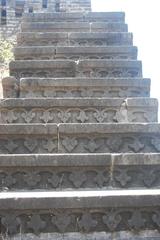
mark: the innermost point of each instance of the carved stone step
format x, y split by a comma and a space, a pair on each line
79, 212
79, 87
48, 172
78, 110
109, 138
74, 17
75, 53
74, 39
73, 27
26, 139
71, 68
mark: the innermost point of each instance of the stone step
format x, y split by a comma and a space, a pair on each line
79, 87
28, 138
74, 17
79, 212
61, 110
79, 138
73, 27
48, 172
75, 53
74, 39
71, 68
109, 138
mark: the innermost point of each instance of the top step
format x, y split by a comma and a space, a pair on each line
74, 17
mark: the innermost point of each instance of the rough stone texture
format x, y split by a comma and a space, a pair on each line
83, 87
74, 39
78, 110
75, 53
79, 171
79, 142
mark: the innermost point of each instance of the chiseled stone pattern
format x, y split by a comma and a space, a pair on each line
79, 139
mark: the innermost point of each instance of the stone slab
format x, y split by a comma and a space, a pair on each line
82, 87
28, 138
59, 212
77, 16
71, 68
75, 53
46, 172
109, 138
74, 39
73, 27
91, 110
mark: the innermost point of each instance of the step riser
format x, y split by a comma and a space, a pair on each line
80, 138
79, 172
76, 88
74, 17
79, 111
75, 39
74, 27
50, 53
76, 214
84, 68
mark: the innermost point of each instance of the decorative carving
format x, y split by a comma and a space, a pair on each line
123, 178
32, 178
50, 145
112, 220
87, 222
156, 218
136, 146
69, 143
100, 116
82, 117
64, 116
77, 178
100, 179
30, 144
61, 221
156, 143
36, 224
11, 223
149, 178
10, 117
92, 146
47, 116
10, 146
28, 116
114, 143
136, 222
54, 180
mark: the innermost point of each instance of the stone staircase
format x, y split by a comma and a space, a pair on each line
79, 138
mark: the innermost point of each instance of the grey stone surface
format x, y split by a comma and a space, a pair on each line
73, 27
62, 16
84, 87
79, 171
71, 68
79, 178
75, 53
74, 39
79, 110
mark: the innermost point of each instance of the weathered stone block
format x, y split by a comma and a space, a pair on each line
73, 27
79, 171
86, 212
74, 39
62, 110
84, 87
73, 17
26, 139
10, 87
71, 68
109, 138
75, 53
